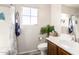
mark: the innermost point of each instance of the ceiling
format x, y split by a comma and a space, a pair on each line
72, 5
68, 5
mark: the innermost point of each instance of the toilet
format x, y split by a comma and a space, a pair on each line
43, 48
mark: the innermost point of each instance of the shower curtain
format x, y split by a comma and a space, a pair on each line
13, 40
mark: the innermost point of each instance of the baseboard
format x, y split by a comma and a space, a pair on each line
21, 53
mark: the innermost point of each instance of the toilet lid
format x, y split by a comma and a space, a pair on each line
42, 45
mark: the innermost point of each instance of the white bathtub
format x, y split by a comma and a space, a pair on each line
4, 51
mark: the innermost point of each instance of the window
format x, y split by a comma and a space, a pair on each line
29, 16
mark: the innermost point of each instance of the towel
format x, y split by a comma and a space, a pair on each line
17, 29
17, 24
70, 29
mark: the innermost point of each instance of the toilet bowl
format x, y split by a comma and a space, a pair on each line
43, 48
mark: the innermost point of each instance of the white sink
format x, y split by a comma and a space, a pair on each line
69, 44
66, 43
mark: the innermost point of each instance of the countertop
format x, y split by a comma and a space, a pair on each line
69, 45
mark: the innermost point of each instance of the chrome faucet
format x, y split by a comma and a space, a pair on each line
74, 38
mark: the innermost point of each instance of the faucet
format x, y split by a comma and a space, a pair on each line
74, 38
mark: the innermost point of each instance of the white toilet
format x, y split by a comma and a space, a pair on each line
43, 48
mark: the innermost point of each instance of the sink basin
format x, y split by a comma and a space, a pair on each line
69, 44
66, 43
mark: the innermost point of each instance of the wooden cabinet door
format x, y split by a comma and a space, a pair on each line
62, 52
52, 48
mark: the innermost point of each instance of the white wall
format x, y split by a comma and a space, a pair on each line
29, 38
55, 16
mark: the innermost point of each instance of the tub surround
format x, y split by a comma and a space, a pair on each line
65, 43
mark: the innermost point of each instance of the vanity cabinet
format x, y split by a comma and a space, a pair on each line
62, 52
53, 49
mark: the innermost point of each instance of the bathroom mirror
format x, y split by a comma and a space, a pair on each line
69, 23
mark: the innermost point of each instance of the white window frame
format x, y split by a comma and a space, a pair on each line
30, 16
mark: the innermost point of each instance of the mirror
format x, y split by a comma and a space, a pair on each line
69, 23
